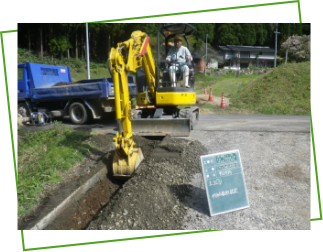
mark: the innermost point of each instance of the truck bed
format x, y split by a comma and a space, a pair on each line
93, 88
90, 90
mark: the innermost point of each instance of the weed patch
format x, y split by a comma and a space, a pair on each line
43, 156
284, 90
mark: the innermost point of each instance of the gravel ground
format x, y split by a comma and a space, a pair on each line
167, 191
154, 197
277, 173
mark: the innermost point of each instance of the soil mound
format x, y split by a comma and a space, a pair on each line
153, 198
65, 84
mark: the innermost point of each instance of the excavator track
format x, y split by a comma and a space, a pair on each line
191, 113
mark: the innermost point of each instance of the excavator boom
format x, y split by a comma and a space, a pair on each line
134, 55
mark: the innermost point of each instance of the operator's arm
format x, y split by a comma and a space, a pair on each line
169, 55
188, 55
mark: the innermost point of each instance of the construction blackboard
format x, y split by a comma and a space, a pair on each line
224, 182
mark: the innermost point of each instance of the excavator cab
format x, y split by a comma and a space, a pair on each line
167, 33
167, 98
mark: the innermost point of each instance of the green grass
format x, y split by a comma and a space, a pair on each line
284, 90
208, 106
43, 157
77, 67
228, 84
95, 73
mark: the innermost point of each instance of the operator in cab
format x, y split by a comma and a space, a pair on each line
178, 54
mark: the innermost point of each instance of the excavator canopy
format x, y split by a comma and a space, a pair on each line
173, 29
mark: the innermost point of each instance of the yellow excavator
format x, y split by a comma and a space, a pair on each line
157, 112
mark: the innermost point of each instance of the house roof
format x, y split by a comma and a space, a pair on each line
247, 48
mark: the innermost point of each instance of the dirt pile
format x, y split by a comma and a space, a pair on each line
154, 197
65, 84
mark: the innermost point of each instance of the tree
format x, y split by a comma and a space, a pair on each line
270, 40
115, 33
298, 47
227, 34
41, 42
152, 28
261, 33
201, 30
249, 34
288, 43
59, 45
306, 29
297, 29
29, 40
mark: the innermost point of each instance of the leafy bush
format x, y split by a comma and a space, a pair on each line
59, 45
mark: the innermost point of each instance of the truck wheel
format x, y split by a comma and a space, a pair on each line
23, 110
78, 113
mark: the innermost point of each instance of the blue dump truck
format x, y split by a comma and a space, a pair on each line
46, 91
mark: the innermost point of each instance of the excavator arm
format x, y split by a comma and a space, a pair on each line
128, 57
157, 112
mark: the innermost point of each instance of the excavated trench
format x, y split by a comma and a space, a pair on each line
153, 198
166, 192
80, 214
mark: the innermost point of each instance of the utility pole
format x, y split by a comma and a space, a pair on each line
87, 51
276, 32
205, 56
238, 72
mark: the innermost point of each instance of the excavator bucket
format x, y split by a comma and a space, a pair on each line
125, 166
161, 127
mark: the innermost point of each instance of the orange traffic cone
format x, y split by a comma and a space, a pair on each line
210, 96
205, 91
222, 101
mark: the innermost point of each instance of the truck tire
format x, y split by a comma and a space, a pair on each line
78, 113
23, 110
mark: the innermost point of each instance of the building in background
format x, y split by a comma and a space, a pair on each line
200, 64
240, 57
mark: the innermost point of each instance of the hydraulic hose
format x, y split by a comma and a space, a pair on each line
147, 96
108, 64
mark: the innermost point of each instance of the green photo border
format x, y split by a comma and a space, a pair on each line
135, 19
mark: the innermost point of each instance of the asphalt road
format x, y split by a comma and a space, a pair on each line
265, 123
